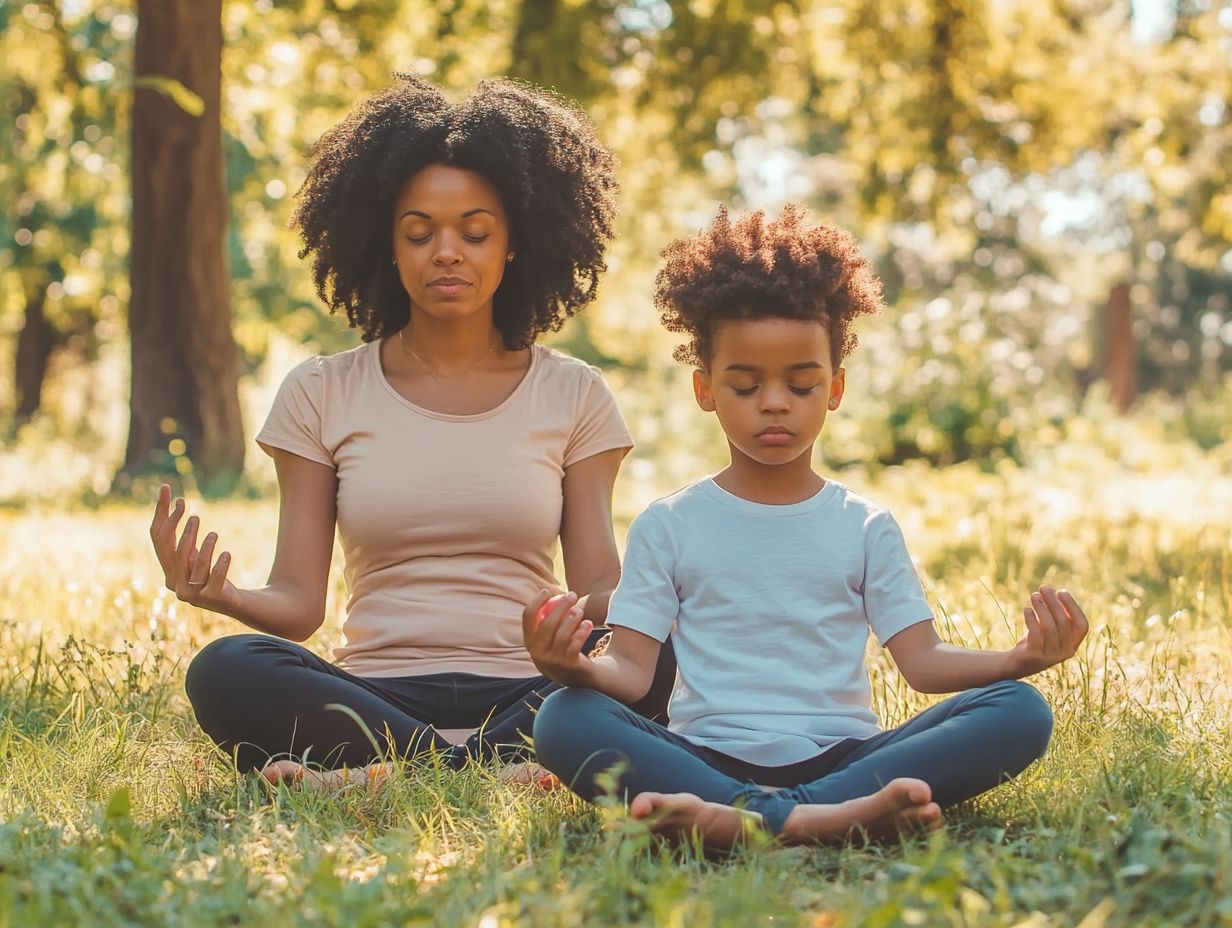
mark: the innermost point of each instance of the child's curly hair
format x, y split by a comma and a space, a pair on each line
753, 269
557, 184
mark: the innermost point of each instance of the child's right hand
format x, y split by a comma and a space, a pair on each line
555, 631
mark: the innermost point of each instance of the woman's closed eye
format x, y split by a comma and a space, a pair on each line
424, 239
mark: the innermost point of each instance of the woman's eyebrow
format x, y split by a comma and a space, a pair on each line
467, 215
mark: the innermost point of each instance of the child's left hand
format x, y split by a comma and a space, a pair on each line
1056, 626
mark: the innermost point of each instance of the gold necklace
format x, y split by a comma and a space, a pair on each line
441, 378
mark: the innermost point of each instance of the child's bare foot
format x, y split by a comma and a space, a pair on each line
528, 773
676, 816
294, 773
902, 806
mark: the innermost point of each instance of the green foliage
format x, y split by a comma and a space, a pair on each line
990, 155
114, 809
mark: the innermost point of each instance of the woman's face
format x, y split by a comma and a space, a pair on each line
451, 241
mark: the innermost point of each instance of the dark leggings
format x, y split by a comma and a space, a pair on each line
261, 698
961, 747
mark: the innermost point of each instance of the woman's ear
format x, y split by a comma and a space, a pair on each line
701, 390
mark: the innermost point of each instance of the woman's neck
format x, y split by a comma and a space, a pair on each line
447, 344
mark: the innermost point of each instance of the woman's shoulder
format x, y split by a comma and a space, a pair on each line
323, 370
557, 365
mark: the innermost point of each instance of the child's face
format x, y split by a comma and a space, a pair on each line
771, 383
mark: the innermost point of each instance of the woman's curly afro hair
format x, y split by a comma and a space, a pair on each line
556, 181
753, 269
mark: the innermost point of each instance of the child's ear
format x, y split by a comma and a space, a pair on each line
701, 390
837, 385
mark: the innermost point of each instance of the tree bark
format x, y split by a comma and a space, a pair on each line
35, 342
1120, 352
185, 366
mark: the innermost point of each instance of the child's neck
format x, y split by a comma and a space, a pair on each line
771, 484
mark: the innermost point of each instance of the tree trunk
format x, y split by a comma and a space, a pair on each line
35, 342
1120, 353
185, 366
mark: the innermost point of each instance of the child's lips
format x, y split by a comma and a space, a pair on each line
775, 436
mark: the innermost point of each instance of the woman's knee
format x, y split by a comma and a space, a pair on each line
223, 664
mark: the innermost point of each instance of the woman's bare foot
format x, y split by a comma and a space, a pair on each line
903, 805
528, 773
293, 773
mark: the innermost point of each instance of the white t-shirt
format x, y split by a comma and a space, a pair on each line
769, 608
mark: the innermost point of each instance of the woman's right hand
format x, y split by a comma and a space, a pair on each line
190, 572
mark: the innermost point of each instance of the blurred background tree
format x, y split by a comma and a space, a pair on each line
1008, 165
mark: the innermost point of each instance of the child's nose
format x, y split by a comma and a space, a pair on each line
775, 399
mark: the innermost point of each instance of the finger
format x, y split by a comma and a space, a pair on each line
200, 572
186, 547
551, 622
578, 641
1060, 620
160, 510
1035, 637
1048, 625
217, 578
1076, 615
566, 627
530, 615
164, 544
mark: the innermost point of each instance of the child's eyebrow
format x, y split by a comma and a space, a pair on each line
803, 365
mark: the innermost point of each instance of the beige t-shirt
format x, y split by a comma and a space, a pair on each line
449, 524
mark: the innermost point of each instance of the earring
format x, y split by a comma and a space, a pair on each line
509, 257
395, 262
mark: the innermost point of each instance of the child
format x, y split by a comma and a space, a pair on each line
769, 577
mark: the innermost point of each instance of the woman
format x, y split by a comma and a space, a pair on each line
450, 450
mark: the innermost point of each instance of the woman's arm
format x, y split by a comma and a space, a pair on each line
292, 603
555, 638
592, 563
1056, 626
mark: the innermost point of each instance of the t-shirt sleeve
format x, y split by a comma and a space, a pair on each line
645, 599
295, 422
598, 426
893, 596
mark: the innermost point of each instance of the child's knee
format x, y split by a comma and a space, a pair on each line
1030, 716
564, 716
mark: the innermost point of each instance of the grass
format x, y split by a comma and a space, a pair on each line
115, 811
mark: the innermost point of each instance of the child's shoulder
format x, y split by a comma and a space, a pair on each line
864, 515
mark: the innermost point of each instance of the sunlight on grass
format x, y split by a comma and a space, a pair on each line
115, 809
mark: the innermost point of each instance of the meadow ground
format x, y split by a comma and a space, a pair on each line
115, 811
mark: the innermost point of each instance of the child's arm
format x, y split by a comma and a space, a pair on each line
1056, 626
555, 636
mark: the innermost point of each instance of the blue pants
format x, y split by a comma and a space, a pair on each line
961, 747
